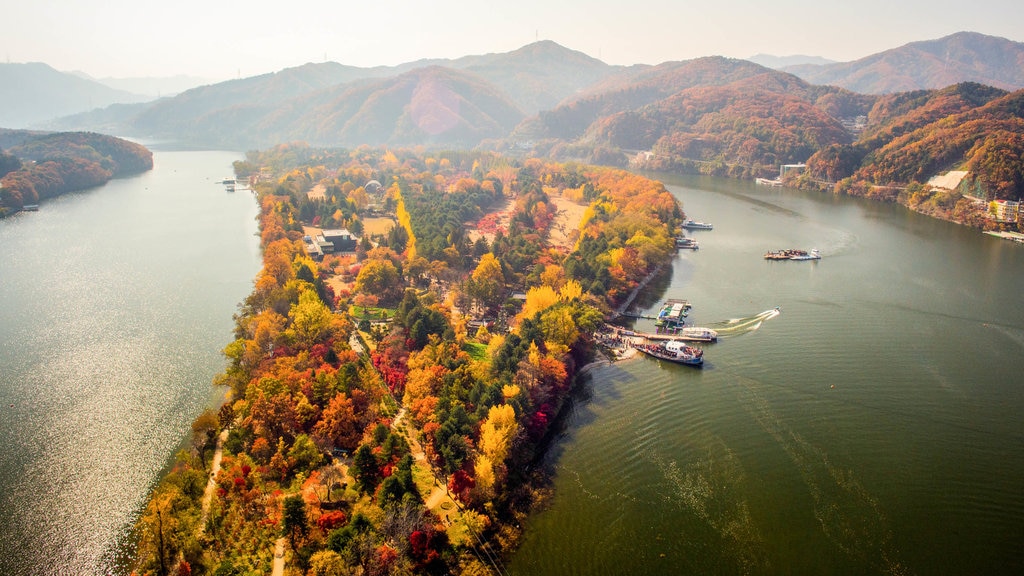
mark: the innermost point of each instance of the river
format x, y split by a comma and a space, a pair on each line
873, 426
114, 305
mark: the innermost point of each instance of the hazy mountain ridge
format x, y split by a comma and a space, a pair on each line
34, 92
930, 64
781, 62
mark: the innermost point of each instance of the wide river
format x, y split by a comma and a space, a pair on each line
114, 306
874, 426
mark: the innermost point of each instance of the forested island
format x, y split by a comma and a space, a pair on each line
387, 406
37, 165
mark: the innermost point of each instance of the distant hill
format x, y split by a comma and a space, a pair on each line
536, 76
33, 93
151, 87
960, 57
780, 62
632, 88
50, 164
711, 115
916, 135
433, 106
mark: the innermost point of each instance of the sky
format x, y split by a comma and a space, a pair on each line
223, 39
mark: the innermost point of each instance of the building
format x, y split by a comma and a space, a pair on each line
340, 240
1004, 210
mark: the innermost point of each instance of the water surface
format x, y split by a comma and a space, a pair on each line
871, 427
114, 305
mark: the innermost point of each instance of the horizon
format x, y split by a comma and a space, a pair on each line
218, 42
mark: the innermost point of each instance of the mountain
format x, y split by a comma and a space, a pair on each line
153, 87
526, 80
432, 106
33, 93
916, 135
932, 64
537, 76
781, 62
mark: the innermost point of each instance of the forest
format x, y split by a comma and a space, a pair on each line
39, 166
391, 423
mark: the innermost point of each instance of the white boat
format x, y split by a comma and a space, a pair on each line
698, 334
674, 351
687, 243
814, 255
694, 225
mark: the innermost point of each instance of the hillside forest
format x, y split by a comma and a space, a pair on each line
386, 407
36, 166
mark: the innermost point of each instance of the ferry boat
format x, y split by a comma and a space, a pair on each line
694, 225
773, 182
686, 243
672, 314
814, 255
792, 254
673, 351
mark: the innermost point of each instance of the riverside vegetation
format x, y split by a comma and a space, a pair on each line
36, 165
413, 456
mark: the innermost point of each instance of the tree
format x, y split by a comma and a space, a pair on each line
204, 433
488, 283
338, 426
327, 563
365, 468
304, 455
293, 521
497, 432
379, 277
310, 318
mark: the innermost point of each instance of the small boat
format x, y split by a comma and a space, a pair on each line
694, 225
814, 255
698, 334
674, 351
230, 187
30, 208
773, 182
686, 243
792, 254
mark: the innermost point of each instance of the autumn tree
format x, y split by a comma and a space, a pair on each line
379, 277
310, 318
488, 282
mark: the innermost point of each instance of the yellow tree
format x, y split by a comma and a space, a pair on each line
497, 432
488, 281
310, 318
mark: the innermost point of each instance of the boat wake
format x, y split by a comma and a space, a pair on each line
740, 326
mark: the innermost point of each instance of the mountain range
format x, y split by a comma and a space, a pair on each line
713, 114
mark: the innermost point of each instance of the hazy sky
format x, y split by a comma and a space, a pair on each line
220, 39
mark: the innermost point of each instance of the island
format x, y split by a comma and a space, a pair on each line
35, 166
413, 335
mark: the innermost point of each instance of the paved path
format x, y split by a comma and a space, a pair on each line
278, 558
211, 484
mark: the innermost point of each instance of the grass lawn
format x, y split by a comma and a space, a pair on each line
476, 351
374, 313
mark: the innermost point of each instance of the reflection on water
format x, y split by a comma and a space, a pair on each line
116, 302
868, 426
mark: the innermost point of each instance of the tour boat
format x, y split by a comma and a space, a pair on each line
694, 225
814, 255
673, 351
687, 243
792, 254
